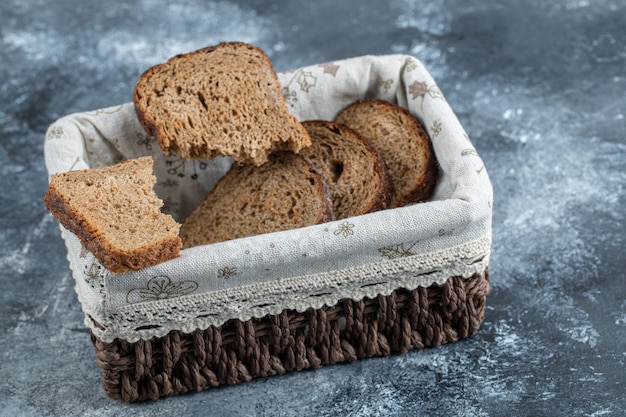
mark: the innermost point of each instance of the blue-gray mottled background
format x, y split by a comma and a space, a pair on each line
540, 88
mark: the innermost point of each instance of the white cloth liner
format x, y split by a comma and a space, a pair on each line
362, 256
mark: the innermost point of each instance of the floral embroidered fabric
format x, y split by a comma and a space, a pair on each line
363, 256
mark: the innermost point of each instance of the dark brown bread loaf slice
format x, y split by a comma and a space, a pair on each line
284, 193
220, 100
115, 214
355, 172
402, 142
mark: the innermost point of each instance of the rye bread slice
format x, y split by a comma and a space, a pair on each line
284, 193
220, 100
116, 215
356, 174
403, 144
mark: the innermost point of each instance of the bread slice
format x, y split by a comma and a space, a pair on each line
284, 193
355, 172
403, 144
220, 100
116, 214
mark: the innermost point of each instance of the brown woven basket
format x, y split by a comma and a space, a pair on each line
239, 351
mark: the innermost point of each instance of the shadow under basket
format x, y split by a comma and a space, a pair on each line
275, 344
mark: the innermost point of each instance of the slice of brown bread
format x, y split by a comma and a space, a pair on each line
116, 214
220, 100
355, 172
284, 193
402, 142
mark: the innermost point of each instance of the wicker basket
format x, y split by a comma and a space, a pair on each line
290, 341
366, 286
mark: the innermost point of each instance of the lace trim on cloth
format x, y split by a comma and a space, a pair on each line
199, 311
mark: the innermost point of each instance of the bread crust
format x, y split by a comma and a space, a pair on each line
327, 214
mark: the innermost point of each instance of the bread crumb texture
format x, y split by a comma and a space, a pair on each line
116, 214
220, 100
403, 144
355, 172
282, 194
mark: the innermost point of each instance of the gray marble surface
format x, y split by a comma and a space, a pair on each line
539, 86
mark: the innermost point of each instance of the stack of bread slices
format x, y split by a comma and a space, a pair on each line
225, 100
